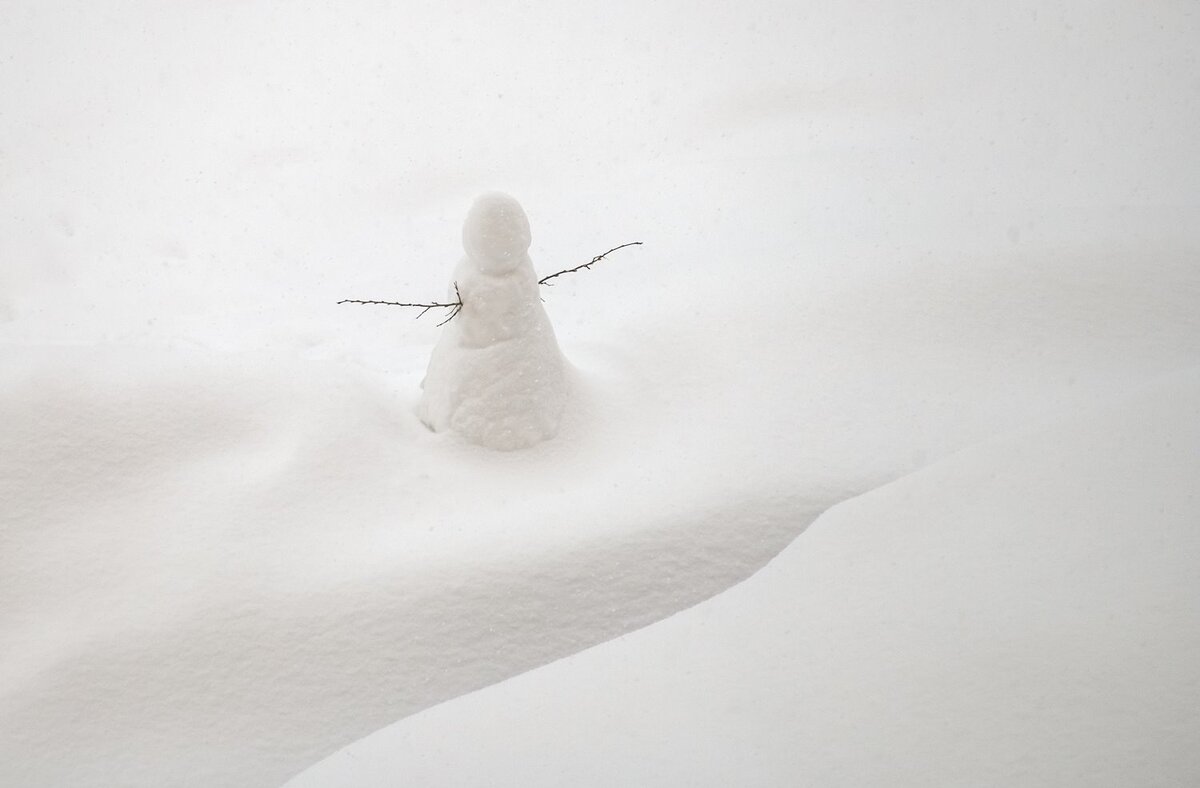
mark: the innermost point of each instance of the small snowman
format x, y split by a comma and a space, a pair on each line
497, 376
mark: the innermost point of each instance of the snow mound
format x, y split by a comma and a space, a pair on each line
1024, 612
496, 376
218, 569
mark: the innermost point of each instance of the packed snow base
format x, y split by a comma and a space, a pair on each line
497, 376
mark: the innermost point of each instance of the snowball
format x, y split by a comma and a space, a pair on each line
496, 376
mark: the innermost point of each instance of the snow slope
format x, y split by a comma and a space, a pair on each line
873, 235
225, 566
222, 568
1023, 612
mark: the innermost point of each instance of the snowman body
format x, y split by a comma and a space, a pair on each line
496, 376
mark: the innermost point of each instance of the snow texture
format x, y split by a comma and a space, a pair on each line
874, 236
1023, 612
497, 376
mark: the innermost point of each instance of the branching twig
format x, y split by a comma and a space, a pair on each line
545, 280
455, 306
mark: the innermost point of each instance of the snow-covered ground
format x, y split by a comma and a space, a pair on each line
872, 236
1024, 612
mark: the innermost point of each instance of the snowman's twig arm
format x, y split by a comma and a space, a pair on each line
453, 312
545, 280
454, 306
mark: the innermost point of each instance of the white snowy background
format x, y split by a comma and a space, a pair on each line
927, 274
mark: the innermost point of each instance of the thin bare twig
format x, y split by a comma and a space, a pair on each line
545, 280
454, 306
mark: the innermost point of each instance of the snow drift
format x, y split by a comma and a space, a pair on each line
1021, 612
873, 236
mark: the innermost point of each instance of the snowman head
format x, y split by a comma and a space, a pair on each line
496, 233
